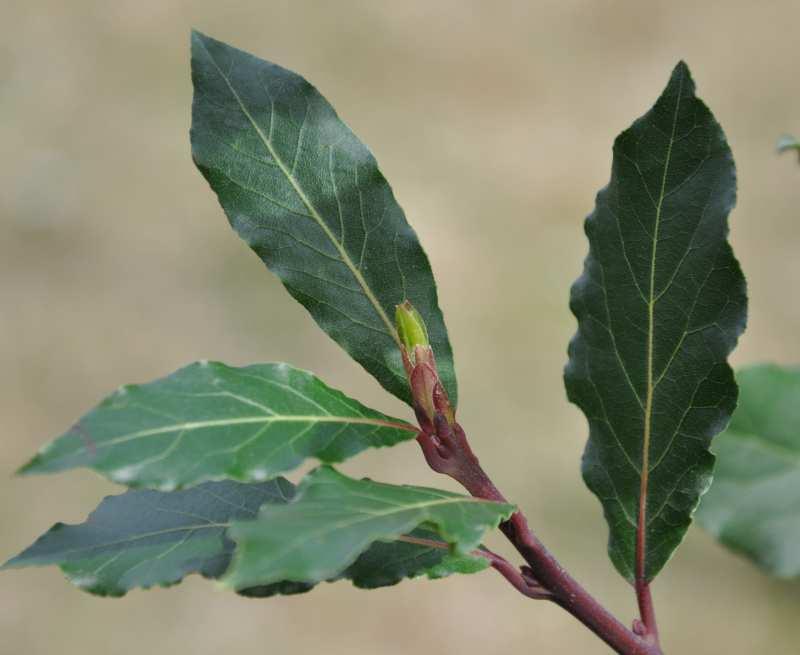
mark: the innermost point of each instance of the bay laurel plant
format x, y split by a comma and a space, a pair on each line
660, 305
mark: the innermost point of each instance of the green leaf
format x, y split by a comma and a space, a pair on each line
308, 198
210, 421
753, 506
420, 552
144, 538
385, 563
335, 518
788, 143
660, 305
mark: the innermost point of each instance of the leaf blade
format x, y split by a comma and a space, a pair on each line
309, 199
145, 538
753, 505
211, 421
335, 519
660, 305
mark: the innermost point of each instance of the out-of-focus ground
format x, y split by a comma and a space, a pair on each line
494, 122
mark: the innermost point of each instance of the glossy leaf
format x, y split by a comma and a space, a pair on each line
753, 505
308, 198
335, 518
660, 305
145, 538
210, 421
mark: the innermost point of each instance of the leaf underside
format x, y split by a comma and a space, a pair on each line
334, 519
753, 506
660, 305
146, 538
211, 421
307, 196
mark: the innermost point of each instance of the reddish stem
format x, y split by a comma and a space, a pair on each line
646, 611
447, 451
521, 580
517, 578
649, 629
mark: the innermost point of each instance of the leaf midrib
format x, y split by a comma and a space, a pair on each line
244, 420
390, 328
330, 528
648, 409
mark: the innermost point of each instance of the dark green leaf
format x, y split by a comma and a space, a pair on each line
144, 538
753, 506
210, 421
421, 552
660, 305
334, 519
308, 198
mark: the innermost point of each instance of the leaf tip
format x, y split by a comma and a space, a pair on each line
682, 77
199, 42
29, 468
682, 68
197, 35
9, 564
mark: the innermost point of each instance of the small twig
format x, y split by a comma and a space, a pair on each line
522, 580
447, 451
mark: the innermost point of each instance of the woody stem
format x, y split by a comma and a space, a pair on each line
447, 451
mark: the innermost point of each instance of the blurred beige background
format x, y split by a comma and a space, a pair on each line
494, 122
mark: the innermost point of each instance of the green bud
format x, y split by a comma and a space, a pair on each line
410, 327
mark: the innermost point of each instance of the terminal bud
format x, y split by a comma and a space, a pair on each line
429, 396
410, 327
